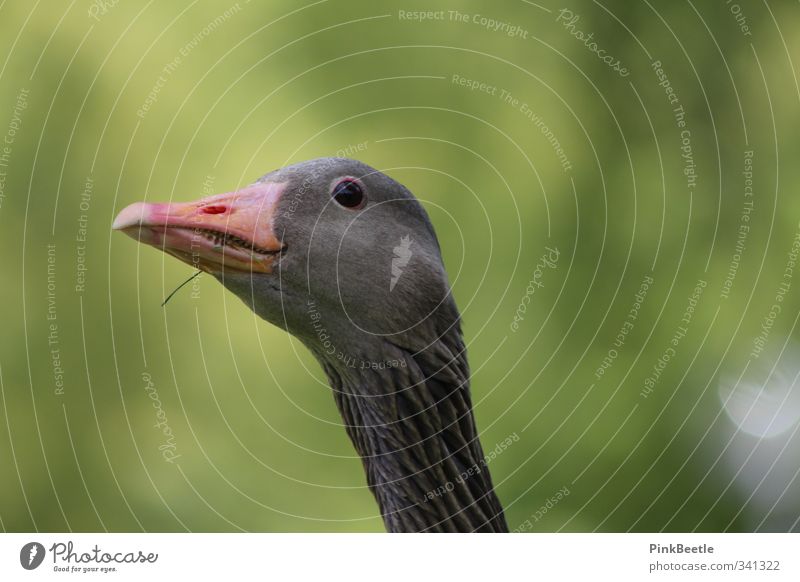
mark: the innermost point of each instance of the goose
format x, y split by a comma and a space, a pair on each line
346, 259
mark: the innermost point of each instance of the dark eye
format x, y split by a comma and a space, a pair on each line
348, 193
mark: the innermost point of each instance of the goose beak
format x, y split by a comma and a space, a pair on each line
225, 232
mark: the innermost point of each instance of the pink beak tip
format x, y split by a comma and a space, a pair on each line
132, 215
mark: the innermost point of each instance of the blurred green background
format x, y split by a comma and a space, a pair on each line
691, 425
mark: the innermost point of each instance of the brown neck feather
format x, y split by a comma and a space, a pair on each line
411, 422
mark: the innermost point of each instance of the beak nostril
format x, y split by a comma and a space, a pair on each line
214, 209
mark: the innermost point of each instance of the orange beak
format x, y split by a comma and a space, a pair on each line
225, 232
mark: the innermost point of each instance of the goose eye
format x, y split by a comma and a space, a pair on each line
349, 194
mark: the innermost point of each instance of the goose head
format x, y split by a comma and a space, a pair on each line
327, 243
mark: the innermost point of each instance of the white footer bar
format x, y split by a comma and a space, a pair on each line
385, 558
